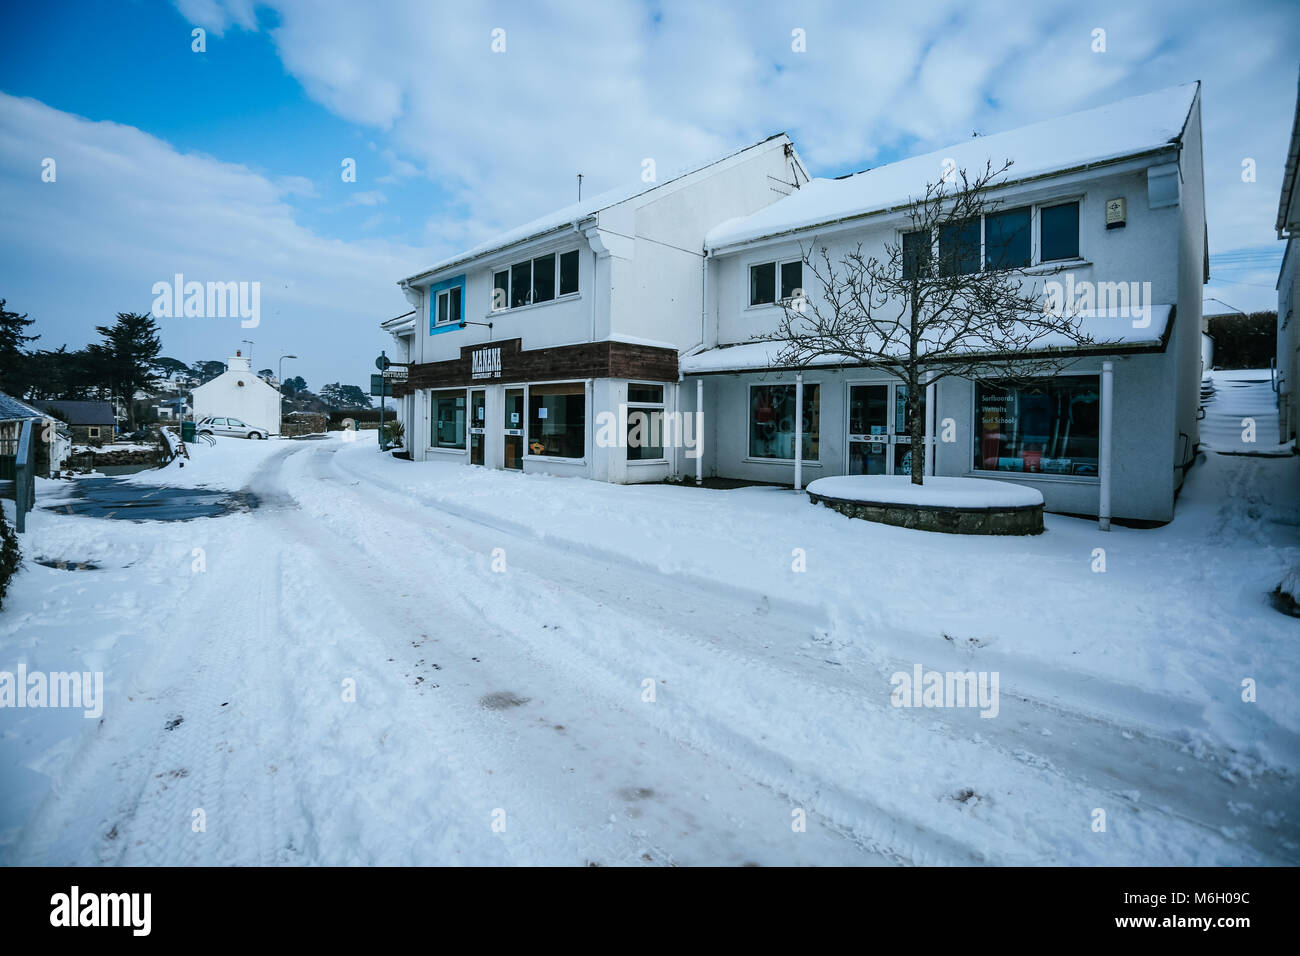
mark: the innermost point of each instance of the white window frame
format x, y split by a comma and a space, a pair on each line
776, 288
429, 406
661, 407
973, 472
509, 270
749, 410
587, 423
438, 300
1038, 232
1035, 234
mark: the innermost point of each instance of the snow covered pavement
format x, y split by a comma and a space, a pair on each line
502, 636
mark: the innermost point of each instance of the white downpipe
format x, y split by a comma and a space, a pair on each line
699, 436
931, 446
798, 430
1107, 415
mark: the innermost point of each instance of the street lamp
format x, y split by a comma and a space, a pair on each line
281, 388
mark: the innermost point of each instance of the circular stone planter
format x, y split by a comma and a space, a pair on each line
951, 505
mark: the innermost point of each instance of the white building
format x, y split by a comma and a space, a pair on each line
653, 300
239, 393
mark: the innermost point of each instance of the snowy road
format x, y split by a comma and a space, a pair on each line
500, 715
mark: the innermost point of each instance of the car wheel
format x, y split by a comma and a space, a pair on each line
256, 435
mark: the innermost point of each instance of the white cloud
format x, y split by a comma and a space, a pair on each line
128, 210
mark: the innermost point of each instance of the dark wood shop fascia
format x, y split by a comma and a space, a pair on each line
560, 363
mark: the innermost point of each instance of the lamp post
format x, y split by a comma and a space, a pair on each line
280, 377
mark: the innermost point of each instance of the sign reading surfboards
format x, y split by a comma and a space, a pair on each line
485, 363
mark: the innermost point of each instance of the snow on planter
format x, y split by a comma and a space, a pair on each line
952, 505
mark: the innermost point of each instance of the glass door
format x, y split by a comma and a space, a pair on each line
514, 427
879, 441
869, 430
477, 425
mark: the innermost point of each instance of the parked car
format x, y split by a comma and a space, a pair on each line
230, 426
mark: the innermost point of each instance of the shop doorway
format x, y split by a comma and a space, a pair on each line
878, 439
477, 425
514, 428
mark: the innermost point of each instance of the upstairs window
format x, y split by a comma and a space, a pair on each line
1006, 239
535, 280
763, 281
569, 273
959, 248
916, 253
449, 306
1059, 232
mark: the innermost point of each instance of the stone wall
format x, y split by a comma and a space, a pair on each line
1022, 520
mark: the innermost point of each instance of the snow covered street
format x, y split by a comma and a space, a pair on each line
587, 673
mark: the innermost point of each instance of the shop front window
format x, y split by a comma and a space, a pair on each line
557, 420
448, 420
645, 418
772, 421
1046, 427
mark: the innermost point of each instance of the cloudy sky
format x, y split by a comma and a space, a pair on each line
225, 165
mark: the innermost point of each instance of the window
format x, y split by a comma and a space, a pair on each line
569, 273
645, 421
500, 290
92, 431
916, 253
536, 280
449, 305
557, 420
772, 424
959, 248
791, 279
1048, 427
762, 284
544, 278
1006, 239
521, 283
448, 420
1059, 232
762, 281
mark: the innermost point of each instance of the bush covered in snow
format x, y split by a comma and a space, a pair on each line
10, 556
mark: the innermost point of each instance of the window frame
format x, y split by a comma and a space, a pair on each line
749, 410
1036, 260
438, 321
526, 454
659, 406
508, 268
972, 471
434, 395
777, 264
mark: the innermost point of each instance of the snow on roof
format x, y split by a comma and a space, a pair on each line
1130, 127
14, 409
81, 413
576, 212
1106, 332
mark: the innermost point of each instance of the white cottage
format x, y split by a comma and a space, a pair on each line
238, 393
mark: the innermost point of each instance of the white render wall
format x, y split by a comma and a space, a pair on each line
254, 402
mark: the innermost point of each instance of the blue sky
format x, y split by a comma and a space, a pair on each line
225, 164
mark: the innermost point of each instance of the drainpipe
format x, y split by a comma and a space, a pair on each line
699, 437
798, 430
1107, 415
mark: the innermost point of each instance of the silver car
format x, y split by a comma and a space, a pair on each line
230, 426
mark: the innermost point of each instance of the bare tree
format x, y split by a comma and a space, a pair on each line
941, 302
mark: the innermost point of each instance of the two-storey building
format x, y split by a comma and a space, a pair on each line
524, 349
658, 300
1109, 200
